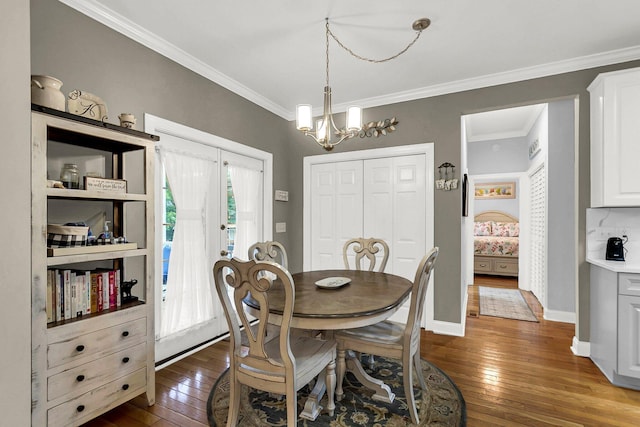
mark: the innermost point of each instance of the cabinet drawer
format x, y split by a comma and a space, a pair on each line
97, 401
98, 343
482, 265
74, 382
629, 284
506, 267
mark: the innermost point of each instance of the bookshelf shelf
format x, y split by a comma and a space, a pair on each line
81, 322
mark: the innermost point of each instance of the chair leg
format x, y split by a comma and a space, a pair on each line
331, 386
234, 404
292, 408
340, 371
417, 364
407, 371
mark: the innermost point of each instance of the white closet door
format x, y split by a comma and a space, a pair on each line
336, 213
394, 209
538, 235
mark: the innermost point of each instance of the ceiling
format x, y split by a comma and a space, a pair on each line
272, 52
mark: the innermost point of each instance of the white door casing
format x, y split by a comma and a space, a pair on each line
215, 147
395, 182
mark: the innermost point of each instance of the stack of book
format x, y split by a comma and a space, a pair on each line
75, 293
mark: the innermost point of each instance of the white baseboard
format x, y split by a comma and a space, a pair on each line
448, 328
580, 348
560, 316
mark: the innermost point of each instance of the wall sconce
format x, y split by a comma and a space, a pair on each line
447, 177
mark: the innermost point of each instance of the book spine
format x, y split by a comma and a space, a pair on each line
94, 293
87, 290
113, 303
74, 295
118, 289
100, 291
58, 295
105, 290
66, 293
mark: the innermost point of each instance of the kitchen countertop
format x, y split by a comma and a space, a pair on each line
615, 266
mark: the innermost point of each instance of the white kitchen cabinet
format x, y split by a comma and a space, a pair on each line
615, 138
90, 361
629, 325
615, 325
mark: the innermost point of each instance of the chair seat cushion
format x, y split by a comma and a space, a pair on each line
386, 332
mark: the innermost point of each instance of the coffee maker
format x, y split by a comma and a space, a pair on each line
615, 249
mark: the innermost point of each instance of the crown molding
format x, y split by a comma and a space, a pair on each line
146, 38
118, 23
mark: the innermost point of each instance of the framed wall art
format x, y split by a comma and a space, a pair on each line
495, 190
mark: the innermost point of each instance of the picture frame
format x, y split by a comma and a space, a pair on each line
495, 190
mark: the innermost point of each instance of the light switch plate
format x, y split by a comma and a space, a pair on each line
282, 196
281, 227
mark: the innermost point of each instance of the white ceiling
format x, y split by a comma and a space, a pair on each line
272, 52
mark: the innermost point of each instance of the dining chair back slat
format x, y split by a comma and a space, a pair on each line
364, 251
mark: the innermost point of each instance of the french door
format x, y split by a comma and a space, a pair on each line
233, 182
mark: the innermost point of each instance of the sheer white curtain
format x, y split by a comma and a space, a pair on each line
188, 300
247, 190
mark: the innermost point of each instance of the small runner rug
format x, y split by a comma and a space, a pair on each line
507, 303
442, 405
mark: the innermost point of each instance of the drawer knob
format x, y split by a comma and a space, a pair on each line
125, 387
80, 348
125, 334
80, 378
125, 360
80, 408
483, 265
503, 266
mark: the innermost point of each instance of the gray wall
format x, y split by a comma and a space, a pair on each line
498, 156
561, 234
15, 216
129, 77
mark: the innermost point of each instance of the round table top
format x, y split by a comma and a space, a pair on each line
369, 297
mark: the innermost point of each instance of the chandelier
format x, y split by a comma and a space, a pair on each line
325, 126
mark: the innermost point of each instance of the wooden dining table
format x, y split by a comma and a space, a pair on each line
368, 297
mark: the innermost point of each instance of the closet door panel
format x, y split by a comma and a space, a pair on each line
409, 229
378, 202
336, 215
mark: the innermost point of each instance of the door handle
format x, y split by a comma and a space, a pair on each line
224, 253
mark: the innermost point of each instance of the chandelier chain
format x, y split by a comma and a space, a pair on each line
363, 58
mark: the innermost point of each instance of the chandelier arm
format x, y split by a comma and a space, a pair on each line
363, 58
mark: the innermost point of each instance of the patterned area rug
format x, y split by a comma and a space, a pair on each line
507, 303
443, 405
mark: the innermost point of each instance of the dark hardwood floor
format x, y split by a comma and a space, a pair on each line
510, 372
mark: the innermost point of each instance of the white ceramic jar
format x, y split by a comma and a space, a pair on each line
45, 91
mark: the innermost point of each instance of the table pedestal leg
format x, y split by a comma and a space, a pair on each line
312, 406
382, 391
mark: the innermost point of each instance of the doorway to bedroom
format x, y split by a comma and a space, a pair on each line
521, 164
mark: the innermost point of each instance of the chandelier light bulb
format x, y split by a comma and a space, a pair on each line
354, 118
321, 130
303, 117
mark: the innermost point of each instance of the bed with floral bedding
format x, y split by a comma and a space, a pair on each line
496, 243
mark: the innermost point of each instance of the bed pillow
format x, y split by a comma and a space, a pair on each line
482, 228
505, 229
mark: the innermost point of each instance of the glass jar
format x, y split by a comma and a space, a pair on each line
70, 176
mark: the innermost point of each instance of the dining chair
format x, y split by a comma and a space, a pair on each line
392, 339
280, 366
363, 250
269, 251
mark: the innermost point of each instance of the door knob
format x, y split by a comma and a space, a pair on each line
223, 227
224, 253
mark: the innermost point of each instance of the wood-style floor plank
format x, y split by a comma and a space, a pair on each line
510, 372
